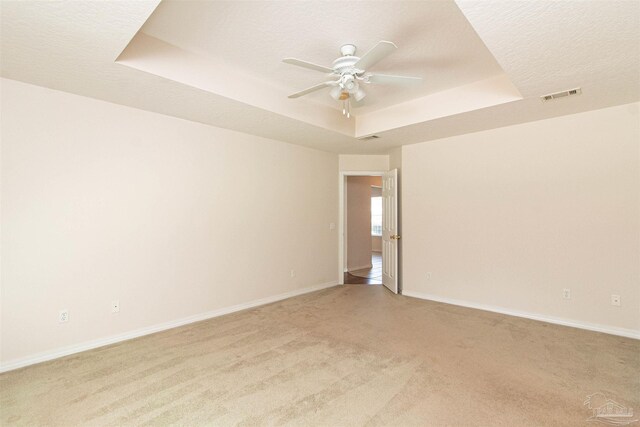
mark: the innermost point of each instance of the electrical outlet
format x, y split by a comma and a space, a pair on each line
615, 300
63, 316
332, 226
429, 275
566, 293
293, 273
115, 306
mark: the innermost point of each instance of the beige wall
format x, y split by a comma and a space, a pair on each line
172, 218
511, 216
376, 243
363, 162
376, 191
395, 159
359, 243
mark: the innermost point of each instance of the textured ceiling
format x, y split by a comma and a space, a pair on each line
541, 46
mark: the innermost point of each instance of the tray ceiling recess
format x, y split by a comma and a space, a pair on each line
216, 47
482, 65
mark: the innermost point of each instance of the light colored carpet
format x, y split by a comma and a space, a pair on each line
344, 356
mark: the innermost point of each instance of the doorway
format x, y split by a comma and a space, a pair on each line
370, 226
363, 230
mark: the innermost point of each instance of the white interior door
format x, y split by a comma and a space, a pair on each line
390, 230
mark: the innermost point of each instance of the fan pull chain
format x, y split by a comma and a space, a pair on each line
346, 108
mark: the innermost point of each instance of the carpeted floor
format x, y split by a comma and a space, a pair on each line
344, 356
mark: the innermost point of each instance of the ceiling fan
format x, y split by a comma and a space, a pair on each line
351, 71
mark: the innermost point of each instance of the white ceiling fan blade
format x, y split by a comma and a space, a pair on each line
311, 89
309, 65
393, 80
375, 55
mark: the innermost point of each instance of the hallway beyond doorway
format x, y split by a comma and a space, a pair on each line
366, 276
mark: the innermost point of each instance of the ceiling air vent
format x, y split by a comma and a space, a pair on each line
563, 94
368, 138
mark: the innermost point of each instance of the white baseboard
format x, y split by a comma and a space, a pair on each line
360, 267
89, 345
629, 333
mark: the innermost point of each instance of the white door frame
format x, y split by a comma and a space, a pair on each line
342, 215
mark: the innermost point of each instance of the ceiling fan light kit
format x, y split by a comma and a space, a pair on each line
351, 72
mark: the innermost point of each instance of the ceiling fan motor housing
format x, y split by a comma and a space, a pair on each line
345, 65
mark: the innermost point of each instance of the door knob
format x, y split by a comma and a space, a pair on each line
395, 237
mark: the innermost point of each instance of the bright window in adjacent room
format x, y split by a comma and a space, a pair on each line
376, 216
